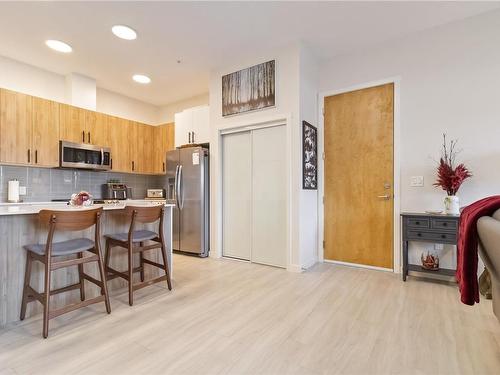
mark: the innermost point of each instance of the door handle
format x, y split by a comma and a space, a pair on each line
181, 188
385, 197
176, 186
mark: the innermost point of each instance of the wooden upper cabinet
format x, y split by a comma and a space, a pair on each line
119, 142
15, 127
72, 124
163, 141
96, 128
45, 133
146, 149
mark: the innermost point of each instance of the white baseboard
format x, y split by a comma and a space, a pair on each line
294, 268
355, 265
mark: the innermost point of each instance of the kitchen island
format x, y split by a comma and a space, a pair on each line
19, 226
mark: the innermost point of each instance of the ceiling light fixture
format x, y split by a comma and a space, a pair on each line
141, 78
124, 32
58, 46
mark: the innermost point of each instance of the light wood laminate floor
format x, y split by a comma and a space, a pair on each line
229, 317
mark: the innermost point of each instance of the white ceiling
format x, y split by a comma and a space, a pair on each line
203, 35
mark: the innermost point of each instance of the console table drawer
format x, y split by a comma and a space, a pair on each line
415, 222
445, 224
432, 236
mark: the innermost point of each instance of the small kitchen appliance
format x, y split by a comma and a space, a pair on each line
114, 191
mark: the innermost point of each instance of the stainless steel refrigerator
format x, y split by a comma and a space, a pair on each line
187, 184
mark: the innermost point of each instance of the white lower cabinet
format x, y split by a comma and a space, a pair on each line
254, 196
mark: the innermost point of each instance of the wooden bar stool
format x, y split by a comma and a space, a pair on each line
133, 241
50, 255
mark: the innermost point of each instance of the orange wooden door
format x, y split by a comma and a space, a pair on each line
359, 144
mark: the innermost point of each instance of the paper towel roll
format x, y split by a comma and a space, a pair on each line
13, 195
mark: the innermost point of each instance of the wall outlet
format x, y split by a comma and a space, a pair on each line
22, 190
438, 246
417, 181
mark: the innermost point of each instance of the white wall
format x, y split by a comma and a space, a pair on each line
308, 209
167, 112
29, 79
81, 91
291, 76
450, 82
122, 106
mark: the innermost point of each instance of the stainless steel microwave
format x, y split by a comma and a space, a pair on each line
84, 156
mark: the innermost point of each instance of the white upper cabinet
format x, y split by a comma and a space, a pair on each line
192, 126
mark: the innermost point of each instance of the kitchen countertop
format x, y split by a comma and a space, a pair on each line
30, 208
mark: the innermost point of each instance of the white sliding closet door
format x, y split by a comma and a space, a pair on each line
269, 185
237, 195
255, 196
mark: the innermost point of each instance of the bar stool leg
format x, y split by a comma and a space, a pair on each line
27, 278
107, 255
46, 298
82, 280
104, 289
165, 264
130, 275
141, 244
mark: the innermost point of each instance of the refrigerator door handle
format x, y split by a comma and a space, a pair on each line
176, 186
181, 188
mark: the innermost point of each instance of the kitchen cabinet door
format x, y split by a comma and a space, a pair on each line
119, 142
71, 123
96, 128
15, 127
183, 127
200, 127
135, 145
163, 142
45, 133
145, 149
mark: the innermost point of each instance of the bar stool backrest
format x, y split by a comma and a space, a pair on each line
71, 220
145, 215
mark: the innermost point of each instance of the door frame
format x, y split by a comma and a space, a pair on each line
243, 126
396, 170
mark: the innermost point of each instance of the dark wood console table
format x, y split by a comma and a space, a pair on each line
427, 227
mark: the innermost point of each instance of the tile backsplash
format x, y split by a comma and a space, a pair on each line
43, 184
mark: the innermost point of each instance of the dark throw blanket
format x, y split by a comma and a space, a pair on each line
467, 247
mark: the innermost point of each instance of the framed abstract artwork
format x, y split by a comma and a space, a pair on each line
309, 156
249, 89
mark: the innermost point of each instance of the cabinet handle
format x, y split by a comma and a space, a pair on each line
133, 165
89, 136
111, 163
163, 166
192, 137
36, 156
189, 137
29, 155
83, 136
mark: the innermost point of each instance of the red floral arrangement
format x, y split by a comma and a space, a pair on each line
449, 177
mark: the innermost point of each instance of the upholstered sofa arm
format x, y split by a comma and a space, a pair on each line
489, 235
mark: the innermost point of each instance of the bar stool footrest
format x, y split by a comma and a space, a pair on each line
75, 306
149, 282
150, 262
92, 280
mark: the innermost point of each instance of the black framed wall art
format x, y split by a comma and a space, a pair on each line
309, 156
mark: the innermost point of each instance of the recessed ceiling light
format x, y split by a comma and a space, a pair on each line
124, 32
58, 46
141, 78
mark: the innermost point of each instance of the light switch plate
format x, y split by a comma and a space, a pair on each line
417, 181
22, 190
